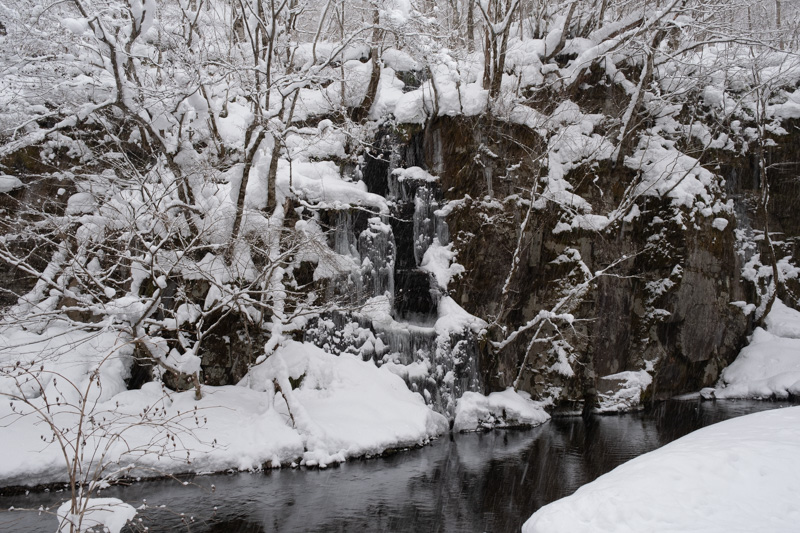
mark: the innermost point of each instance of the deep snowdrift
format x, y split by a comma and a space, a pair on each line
740, 475
341, 407
770, 365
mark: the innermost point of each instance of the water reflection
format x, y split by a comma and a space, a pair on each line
477, 482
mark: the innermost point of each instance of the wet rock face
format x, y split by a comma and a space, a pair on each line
666, 309
783, 160
414, 300
229, 350
40, 192
704, 332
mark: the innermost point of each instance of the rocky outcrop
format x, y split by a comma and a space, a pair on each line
666, 309
663, 306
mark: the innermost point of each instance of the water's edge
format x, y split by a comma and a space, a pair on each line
491, 481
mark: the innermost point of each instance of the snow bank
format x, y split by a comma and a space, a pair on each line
348, 407
508, 408
738, 475
783, 321
769, 366
341, 407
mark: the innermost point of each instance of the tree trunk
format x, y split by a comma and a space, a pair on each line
470, 25
500, 65
237, 221
272, 175
361, 112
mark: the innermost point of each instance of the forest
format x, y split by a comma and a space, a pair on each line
355, 226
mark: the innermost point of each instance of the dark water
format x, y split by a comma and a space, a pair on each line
475, 482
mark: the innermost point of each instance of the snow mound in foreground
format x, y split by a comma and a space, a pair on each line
340, 406
106, 514
508, 408
738, 475
768, 366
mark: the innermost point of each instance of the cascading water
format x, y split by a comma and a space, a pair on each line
427, 224
403, 319
377, 251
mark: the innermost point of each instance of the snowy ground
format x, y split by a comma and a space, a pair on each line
741, 475
341, 407
770, 365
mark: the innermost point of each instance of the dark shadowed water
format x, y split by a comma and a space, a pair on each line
476, 482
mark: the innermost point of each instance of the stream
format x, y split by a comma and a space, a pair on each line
466, 482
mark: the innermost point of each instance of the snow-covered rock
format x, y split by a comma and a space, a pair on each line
80, 203
622, 391
507, 408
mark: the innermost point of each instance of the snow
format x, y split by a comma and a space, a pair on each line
720, 224
342, 407
454, 319
322, 142
80, 203
669, 172
390, 90
320, 182
414, 174
587, 222
574, 144
187, 362
440, 261
738, 475
9, 183
783, 321
111, 514
399, 60
769, 366
78, 26
508, 408
417, 370
353, 407
410, 108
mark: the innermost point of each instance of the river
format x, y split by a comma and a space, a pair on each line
461, 483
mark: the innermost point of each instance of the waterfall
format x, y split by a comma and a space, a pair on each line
377, 253
403, 325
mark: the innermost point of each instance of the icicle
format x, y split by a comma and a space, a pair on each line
377, 249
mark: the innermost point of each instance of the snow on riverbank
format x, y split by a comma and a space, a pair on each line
738, 475
341, 407
770, 364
